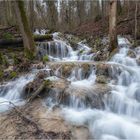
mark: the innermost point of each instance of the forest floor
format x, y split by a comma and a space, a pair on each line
99, 28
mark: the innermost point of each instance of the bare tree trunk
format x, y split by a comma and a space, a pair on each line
29, 45
112, 25
136, 11
32, 17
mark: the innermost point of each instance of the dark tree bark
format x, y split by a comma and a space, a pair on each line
28, 41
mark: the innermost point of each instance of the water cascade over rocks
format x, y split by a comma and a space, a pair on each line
120, 118
59, 50
109, 116
11, 92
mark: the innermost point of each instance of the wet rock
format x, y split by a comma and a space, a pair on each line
80, 132
101, 79
101, 56
86, 69
137, 50
131, 54
103, 69
107, 71
66, 70
84, 96
98, 56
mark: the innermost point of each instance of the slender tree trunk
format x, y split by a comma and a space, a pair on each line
112, 25
32, 19
136, 11
29, 45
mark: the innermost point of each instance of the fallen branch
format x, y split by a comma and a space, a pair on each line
37, 92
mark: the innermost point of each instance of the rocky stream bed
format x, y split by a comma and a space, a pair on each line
73, 93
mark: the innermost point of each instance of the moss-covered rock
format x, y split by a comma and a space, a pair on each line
103, 69
43, 37
45, 58
47, 83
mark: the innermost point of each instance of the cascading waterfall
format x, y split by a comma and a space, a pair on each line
120, 118
59, 50
79, 80
11, 92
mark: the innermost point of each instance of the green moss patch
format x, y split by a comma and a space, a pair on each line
7, 36
1, 74
13, 74
45, 58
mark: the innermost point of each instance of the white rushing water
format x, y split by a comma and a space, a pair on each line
120, 118
11, 92
60, 50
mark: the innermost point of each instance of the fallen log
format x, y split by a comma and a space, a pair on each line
18, 41
37, 92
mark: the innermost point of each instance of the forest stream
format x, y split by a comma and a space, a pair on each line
76, 102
